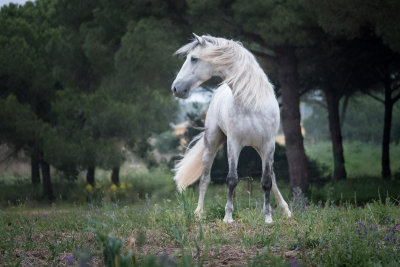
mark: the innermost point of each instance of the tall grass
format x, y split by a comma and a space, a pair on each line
162, 233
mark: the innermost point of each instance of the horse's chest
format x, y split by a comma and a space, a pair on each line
252, 131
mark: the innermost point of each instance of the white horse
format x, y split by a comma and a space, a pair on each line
243, 112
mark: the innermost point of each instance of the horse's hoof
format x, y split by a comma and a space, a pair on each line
288, 214
228, 220
198, 213
268, 220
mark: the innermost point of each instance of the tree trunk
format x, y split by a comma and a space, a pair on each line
387, 126
115, 176
290, 113
47, 187
332, 100
343, 113
90, 175
35, 168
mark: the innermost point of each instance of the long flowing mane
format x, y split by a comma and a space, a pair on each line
240, 70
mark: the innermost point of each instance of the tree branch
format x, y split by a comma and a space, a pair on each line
375, 97
380, 75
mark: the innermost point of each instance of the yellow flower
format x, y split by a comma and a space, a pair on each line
89, 187
129, 185
123, 186
113, 187
98, 186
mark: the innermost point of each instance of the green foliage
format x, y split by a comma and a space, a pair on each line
279, 23
352, 18
167, 142
112, 251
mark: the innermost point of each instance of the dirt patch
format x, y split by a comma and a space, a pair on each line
27, 253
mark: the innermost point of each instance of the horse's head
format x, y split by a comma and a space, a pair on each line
195, 69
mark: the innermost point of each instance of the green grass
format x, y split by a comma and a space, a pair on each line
135, 185
361, 159
145, 223
162, 230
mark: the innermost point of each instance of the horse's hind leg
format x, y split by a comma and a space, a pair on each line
214, 138
282, 203
232, 179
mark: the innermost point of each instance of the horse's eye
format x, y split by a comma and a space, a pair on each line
193, 59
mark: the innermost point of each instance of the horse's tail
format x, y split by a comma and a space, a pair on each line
189, 168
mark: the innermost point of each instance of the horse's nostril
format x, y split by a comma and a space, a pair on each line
185, 91
174, 89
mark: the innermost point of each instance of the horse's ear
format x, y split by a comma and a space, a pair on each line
199, 39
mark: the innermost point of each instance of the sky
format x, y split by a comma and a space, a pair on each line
6, 2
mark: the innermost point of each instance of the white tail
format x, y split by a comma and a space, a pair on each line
188, 169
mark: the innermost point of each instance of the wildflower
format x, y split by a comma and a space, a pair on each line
294, 263
129, 185
299, 200
113, 187
70, 259
89, 188
123, 186
98, 186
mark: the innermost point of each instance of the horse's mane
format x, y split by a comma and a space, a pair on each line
242, 72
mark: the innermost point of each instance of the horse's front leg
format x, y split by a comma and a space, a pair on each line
266, 183
208, 158
212, 141
268, 177
232, 178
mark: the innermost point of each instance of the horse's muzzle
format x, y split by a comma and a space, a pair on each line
180, 89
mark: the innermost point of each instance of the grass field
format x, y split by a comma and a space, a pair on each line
162, 231
144, 222
361, 159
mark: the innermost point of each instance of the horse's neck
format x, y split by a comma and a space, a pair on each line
248, 82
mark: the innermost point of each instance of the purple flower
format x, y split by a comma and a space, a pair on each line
394, 240
299, 200
70, 259
294, 263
